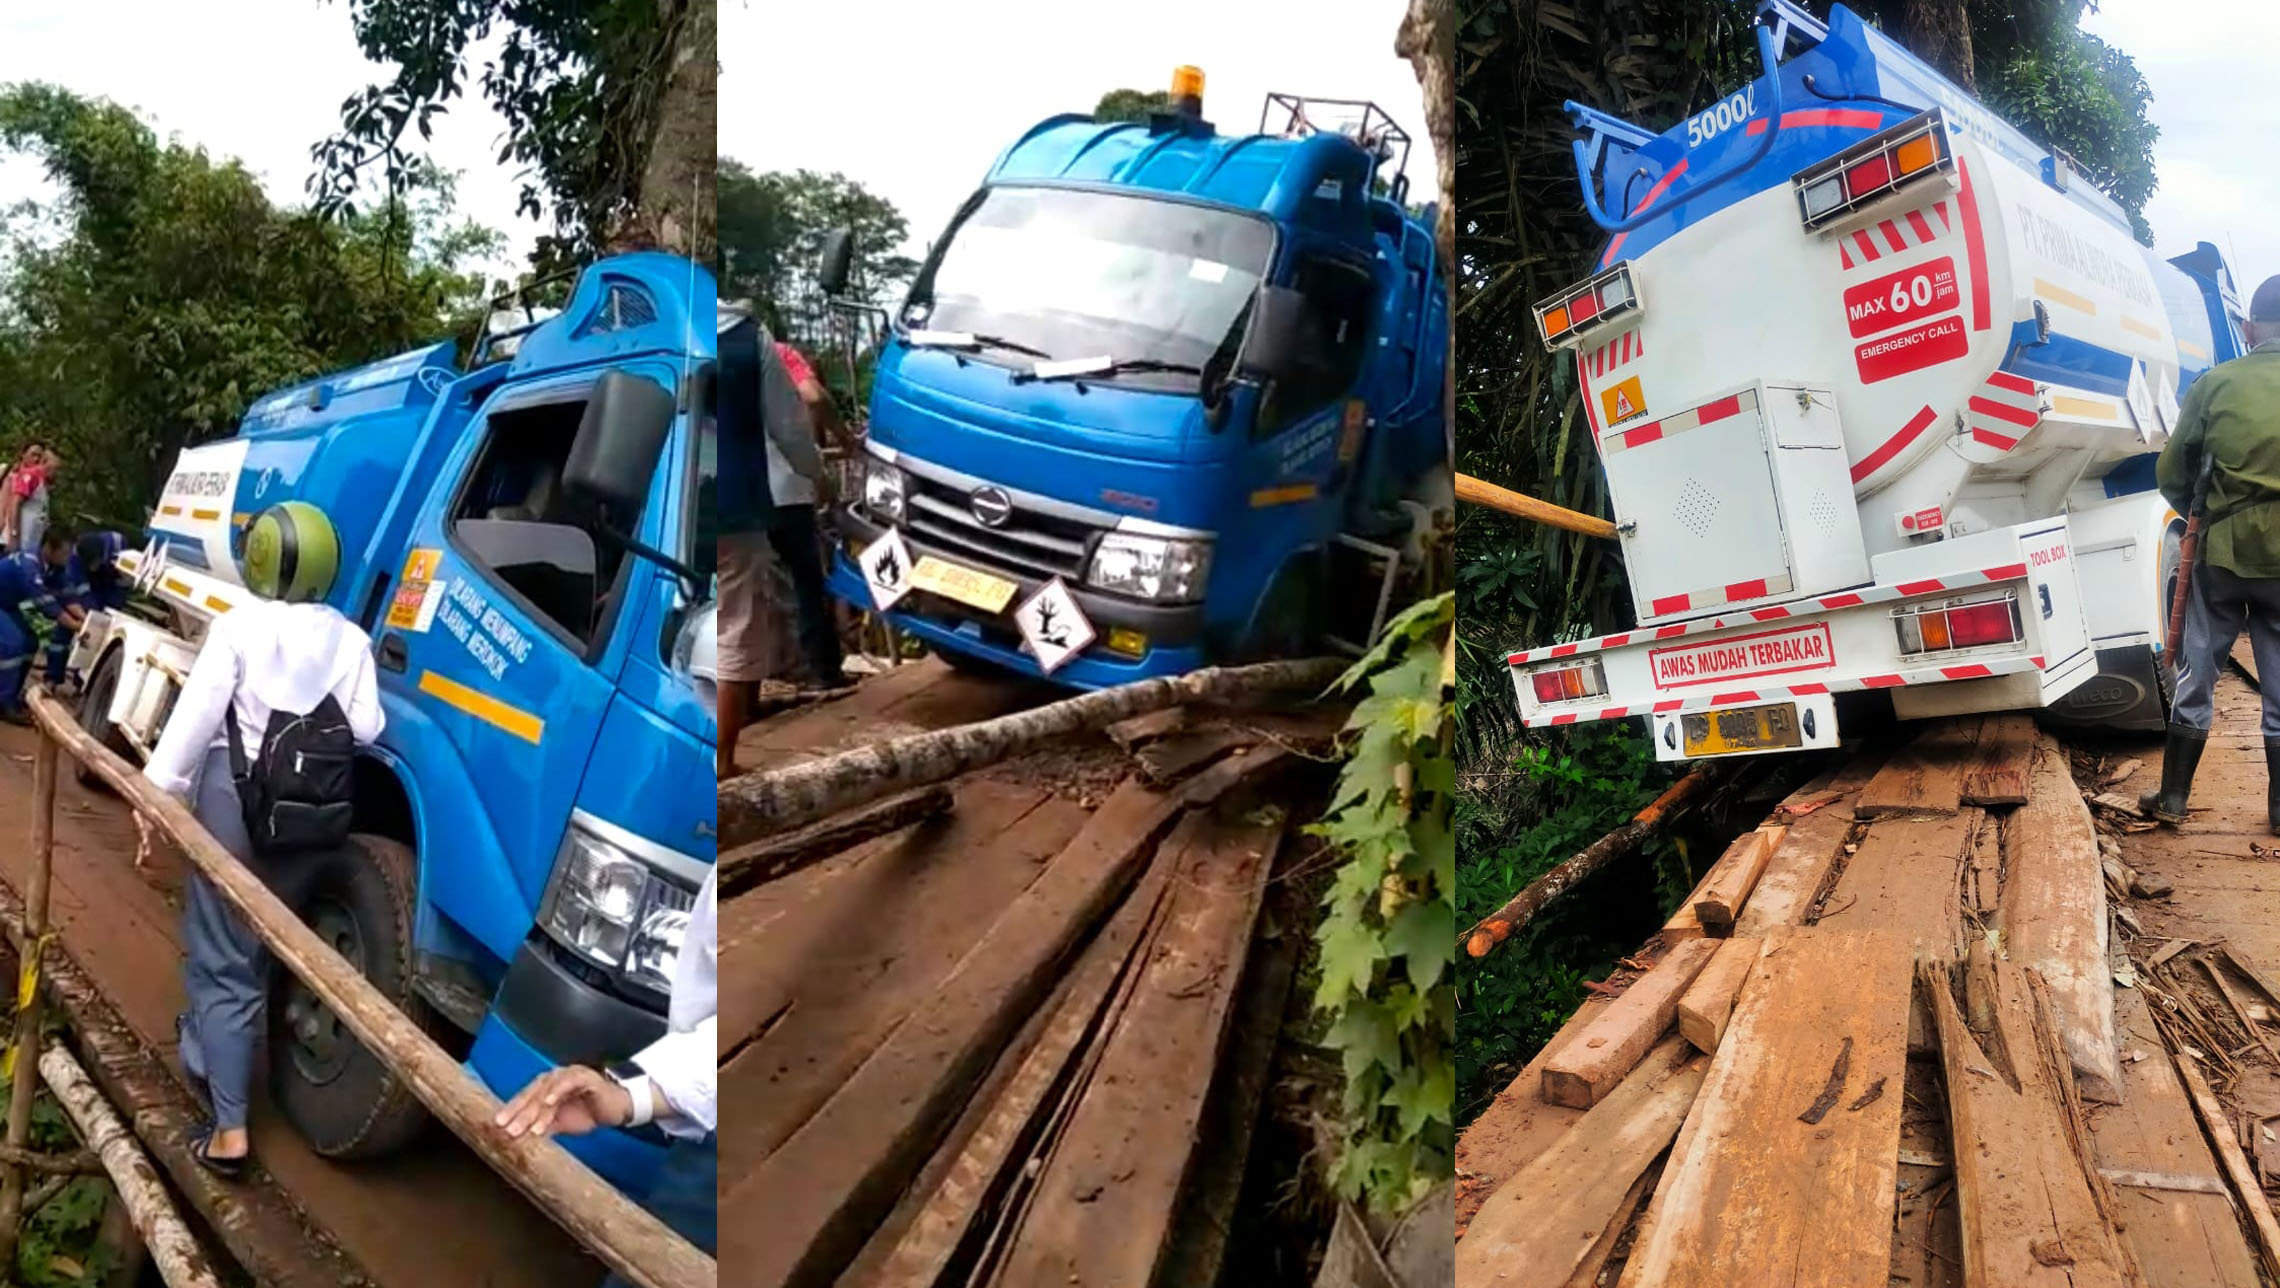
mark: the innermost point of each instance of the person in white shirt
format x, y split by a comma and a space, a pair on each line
673, 1082
286, 652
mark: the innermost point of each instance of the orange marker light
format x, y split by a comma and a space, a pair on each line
1935, 629
1916, 153
1556, 321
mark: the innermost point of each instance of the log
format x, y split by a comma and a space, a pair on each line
2053, 915
1539, 1227
1997, 772
603, 1220
2218, 1126
1522, 506
780, 856
2021, 1175
1498, 926
760, 804
827, 1185
1105, 1203
1603, 1051
1709, 1001
181, 1262
1926, 777
1755, 1196
1727, 885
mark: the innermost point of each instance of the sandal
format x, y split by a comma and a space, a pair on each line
229, 1169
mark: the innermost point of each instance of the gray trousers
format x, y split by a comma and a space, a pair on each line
225, 968
2220, 606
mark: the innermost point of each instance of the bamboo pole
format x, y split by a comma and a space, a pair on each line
602, 1220
181, 1262
21, 1084
1527, 507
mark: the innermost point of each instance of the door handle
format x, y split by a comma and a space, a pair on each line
394, 656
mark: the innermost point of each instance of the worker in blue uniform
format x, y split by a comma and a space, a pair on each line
92, 579
31, 590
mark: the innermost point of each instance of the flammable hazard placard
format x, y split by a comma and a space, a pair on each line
1622, 401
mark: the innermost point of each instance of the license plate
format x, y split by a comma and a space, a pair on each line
1740, 729
969, 586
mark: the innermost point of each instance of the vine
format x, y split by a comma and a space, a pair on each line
1389, 930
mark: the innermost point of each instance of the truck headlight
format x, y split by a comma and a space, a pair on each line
1158, 568
615, 911
883, 491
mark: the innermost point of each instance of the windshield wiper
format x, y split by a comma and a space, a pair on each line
1102, 365
921, 339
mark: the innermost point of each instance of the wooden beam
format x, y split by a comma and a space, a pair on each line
1997, 772
1521, 506
1602, 1052
1727, 885
1796, 871
2030, 1215
2053, 915
1926, 777
760, 804
780, 856
1104, 1206
1753, 1195
602, 1219
2219, 1127
1540, 1226
1709, 1001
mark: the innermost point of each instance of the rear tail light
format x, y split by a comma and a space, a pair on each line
1565, 317
1960, 626
1833, 189
1567, 683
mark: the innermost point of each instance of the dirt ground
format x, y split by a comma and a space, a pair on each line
435, 1216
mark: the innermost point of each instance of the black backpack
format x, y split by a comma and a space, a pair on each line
298, 793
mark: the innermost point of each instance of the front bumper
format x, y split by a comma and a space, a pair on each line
1174, 632
546, 1017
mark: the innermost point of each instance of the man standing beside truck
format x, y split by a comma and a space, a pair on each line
792, 530
2230, 425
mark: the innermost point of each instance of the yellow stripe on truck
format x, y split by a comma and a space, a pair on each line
522, 724
1282, 495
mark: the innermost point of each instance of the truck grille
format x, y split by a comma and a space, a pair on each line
1039, 545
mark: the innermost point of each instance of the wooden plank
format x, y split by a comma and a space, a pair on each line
2030, 1216
1997, 774
1984, 882
1518, 1124
1926, 777
1756, 1196
1709, 1001
1796, 871
2243, 1177
1540, 1226
1595, 1059
1172, 759
1907, 877
1726, 887
1595, 1261
2182, 1239
2053, 915
829, 1183
1103, 1208
1147, 726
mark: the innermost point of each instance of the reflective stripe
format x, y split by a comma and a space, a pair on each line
11, 663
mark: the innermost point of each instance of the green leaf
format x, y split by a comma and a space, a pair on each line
1424, 935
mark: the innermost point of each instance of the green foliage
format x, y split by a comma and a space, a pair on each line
771, 227
1132, 105
2087, 98
162, 293
57, 1248
582, 85
1389, 928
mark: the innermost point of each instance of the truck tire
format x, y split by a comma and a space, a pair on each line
341, 1099
94, 706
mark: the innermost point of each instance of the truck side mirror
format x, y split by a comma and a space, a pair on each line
620, 439
836, 260
1281, 334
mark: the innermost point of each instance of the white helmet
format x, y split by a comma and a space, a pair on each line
697, 653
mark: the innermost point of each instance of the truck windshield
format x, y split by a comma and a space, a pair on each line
1087, 274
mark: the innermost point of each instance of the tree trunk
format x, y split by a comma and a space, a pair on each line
762, 804
1428, 39
679, 184
1939, 32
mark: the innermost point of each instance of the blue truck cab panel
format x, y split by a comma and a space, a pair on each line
1191, 512
542, 756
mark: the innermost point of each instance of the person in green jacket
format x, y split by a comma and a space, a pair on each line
2231, 421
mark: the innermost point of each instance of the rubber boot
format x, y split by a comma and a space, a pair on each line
2180, 756
2272, 784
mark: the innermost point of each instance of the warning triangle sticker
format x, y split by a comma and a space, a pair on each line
1623, 408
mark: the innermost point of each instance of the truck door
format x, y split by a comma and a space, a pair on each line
1308, 433
497, 637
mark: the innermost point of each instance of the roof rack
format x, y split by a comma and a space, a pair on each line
1358, 119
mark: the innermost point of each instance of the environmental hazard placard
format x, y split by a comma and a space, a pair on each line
1737, 657
1622, 401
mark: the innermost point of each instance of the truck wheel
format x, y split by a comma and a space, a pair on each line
341, 1099
94, 706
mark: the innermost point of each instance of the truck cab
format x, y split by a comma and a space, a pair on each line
529, 542
1160, 397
